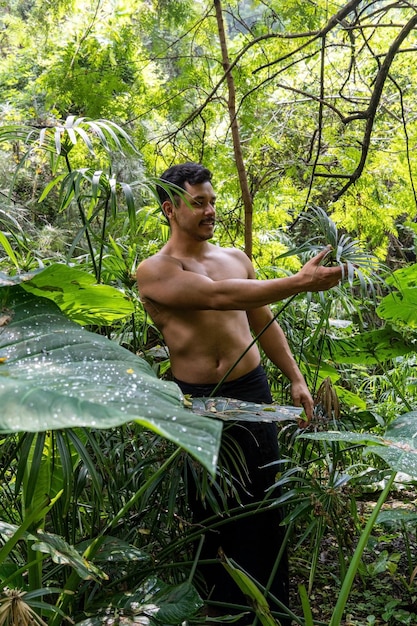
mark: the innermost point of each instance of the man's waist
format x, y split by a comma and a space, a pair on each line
211, 370
251, 386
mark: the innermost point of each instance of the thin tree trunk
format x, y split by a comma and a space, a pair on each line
237, 146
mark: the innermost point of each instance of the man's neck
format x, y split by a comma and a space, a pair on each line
186, 247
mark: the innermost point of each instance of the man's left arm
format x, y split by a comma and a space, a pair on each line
276, 348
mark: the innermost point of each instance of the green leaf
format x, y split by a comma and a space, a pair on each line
130, 203
37, 477
400, 451
58, 375
53, 183
250, 590
77, 294
305, 603
63, 553
397, 517
8, 249
114, 550
8, 531
404, 278
400, 307
154, 602
177, 603
397, 447
15, 533
228, 409
369, 348
349, 398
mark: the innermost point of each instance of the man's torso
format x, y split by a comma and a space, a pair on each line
204, 344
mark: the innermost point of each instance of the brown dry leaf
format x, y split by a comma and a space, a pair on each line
5, 318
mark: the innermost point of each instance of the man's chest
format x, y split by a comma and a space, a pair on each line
217, 268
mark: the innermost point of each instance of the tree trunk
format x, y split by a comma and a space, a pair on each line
237, 146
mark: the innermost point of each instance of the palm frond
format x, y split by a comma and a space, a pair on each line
360, 267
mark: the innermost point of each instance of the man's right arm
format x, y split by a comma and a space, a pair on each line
163, 280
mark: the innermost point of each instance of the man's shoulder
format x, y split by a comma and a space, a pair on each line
156, 262
160, 257
233, 252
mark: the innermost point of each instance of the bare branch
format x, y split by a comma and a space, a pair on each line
374, 101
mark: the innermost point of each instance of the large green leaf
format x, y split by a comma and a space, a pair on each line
57, 548
400, 451
400, 307
369, 348
63, 553
398, 446
114, 550
404, 278
230, 409
75, 292
176, 603
54, 374
154, 602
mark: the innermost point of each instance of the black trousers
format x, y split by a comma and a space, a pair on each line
254, 541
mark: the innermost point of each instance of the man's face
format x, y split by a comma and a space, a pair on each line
194, 213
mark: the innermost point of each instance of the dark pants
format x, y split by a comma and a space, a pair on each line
252, 542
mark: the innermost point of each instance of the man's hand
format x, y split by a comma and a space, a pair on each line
302, 397
317, 277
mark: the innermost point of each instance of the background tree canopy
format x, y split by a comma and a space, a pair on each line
297, 104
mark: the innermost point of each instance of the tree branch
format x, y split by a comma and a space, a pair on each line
335, 20
370, 113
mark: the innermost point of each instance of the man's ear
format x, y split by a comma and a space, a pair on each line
167, 208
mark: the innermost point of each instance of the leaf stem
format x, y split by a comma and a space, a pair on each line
254, 340
337, 615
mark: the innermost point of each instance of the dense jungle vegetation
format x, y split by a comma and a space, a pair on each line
306, 112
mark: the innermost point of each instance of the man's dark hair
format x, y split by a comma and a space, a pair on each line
178, 175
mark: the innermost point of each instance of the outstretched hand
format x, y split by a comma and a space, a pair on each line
317, 277
302, 397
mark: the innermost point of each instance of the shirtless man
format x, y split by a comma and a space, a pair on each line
207, 302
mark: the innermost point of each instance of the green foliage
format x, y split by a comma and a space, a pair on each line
396, 446
60, 379
95, 193
154, 601
156, 67
43, 353
57, 366
367, 348
81, 299
247, 586
399, 307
